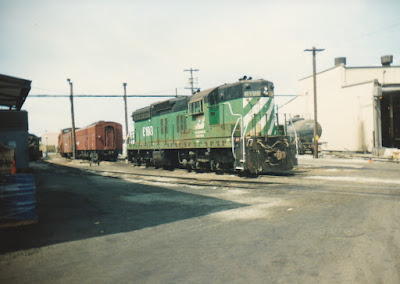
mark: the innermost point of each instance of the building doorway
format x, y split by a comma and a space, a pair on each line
390, 119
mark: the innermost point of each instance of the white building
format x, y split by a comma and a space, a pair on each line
357, 107
49, 142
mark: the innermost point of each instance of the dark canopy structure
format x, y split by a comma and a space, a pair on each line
13, 91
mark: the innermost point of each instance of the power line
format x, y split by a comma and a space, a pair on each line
72, 118
53, 91
362, 36
116, 96
191, 82
314, 51
384, 28
99, 96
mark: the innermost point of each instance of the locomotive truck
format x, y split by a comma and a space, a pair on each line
99, 141
229, 127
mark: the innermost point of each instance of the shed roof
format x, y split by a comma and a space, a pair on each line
13, 91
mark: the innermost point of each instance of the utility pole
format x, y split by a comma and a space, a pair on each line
71, 97
126, 115
314, 51
191, 82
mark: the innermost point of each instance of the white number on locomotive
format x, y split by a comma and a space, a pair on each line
148, 131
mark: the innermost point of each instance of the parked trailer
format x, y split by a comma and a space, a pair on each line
304, 130
97, 142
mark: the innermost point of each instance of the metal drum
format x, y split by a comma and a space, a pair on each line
17, 197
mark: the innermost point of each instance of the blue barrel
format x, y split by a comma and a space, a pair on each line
17, 197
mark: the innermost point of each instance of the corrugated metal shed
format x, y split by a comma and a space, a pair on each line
13, 91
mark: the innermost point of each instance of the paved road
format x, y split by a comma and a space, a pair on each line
335, 221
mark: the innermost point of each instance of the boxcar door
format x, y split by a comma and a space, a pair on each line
109, 137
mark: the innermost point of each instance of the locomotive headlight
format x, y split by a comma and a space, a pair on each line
268, 91
265, 91
237, 139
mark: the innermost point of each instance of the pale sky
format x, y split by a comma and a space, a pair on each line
147, 44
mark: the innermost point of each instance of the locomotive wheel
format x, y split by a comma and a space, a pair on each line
213, 166
136, 162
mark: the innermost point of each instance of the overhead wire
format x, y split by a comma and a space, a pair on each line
100, 96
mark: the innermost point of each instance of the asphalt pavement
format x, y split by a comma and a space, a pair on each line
333, 221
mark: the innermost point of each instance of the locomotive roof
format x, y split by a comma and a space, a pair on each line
171, 101
241, 82
159, 108
193, 98
139, 110
201, 94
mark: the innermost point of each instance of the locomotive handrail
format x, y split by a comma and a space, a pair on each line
233, 140
244, 134
295, 136
241, 133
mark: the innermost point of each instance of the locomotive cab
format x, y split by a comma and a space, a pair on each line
256, 145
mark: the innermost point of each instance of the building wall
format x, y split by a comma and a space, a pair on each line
357, 124
14, 133
384, 75
51, 140
344, 105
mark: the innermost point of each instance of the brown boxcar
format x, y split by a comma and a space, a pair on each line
97, 142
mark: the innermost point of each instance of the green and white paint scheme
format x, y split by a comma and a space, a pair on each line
224, 117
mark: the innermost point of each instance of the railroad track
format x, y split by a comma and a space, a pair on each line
184, 180
297, 183
292, 184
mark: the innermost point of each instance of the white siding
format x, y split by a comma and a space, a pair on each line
344, 105
384, 75
52, 138
354, 129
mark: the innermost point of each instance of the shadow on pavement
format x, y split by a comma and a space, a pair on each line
73, 205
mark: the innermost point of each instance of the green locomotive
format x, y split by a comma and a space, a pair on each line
230, 127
